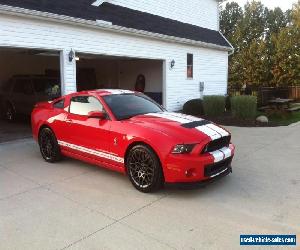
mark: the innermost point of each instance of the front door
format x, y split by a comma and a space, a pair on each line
87, 136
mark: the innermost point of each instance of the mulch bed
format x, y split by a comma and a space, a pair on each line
228, 120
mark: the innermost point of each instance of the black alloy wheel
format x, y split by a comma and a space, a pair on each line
49, 147
144, 169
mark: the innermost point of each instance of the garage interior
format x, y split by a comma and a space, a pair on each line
92, 72
18, 65
109, 72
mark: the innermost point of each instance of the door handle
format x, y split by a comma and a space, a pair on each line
68, 120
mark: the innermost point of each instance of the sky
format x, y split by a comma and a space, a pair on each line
283, 4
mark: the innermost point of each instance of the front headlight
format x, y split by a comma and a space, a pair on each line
183, 148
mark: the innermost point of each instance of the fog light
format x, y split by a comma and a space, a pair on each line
190, 172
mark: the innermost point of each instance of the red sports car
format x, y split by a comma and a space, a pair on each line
128, 132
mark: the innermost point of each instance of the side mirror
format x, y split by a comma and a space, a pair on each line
97, 114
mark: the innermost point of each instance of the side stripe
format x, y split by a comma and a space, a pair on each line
92, 152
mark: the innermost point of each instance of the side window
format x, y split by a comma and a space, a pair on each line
59, 104
190, 65
82, 105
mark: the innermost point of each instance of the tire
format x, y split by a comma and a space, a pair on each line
144, 169
49, 147
9, 113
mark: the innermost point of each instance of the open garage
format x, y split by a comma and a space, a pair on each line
27, 76
112, 72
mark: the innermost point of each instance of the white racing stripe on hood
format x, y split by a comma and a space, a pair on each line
221, 131
183, 119
188, 117
171, 117
209, 132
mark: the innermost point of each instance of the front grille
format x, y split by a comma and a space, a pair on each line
217, 144
213, 169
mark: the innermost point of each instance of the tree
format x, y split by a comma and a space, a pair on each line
252, 26
229, 19
286, 68
266, 42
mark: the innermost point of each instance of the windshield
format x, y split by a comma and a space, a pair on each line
126, 106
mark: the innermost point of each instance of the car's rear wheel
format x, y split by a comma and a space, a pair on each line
9, 112
144, 169
49, 147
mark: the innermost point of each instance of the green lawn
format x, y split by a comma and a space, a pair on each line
285, 120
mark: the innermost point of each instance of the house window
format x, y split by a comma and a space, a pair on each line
190, 65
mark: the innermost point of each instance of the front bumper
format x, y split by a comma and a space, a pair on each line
187, 185
193, 168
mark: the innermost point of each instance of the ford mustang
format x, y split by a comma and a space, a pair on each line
128, 132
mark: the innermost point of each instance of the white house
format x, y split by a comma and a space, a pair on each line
175, 44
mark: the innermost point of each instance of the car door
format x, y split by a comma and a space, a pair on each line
87, 136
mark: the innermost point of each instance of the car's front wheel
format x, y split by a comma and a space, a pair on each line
49, 147
144, 169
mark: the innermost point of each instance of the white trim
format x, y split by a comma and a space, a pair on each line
215, 175
5, 9
98, 153
232, 48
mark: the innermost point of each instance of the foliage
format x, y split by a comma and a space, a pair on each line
266, 43
244, 107
193, 107
287, 120
214, 105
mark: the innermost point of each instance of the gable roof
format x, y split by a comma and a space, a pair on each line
123, 17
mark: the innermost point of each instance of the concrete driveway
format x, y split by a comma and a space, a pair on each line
73, 205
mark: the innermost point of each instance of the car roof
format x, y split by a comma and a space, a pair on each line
105, 92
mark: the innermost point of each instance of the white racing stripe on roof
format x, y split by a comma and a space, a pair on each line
118, 91
92, 152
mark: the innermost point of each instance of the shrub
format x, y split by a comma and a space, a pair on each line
214, 105
244, 107
193, 107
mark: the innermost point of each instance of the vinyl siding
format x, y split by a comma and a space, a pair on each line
210, 65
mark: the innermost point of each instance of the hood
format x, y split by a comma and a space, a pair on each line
186, 128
